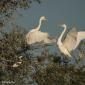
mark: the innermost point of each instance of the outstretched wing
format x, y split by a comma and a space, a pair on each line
80, 36
71, 39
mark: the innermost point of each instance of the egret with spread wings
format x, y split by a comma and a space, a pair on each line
71, 41
35, 35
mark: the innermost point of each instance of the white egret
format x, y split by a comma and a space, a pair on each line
16, 64
37, 36
71, 41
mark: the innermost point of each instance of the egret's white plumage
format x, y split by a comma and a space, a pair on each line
71, 41
35, 35
80, 36
16, 64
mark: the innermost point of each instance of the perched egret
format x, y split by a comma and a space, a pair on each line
16, 64
71, 41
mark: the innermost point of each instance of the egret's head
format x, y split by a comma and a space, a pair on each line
43, 18
63, 25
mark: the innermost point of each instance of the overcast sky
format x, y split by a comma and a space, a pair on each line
70, 12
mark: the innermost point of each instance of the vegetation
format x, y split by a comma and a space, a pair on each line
46, 69
55, 74
7, 5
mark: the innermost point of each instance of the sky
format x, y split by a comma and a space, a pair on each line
70, 12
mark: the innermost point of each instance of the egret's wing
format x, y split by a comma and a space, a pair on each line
38, 36
80, 36
71, 39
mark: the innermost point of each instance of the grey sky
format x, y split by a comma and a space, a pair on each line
69, 12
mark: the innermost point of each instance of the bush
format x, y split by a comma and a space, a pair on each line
46, 69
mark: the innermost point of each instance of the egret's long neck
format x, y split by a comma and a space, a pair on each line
62, 34
40, 21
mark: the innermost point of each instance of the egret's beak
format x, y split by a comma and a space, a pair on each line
45, 19
58, 25
61, 25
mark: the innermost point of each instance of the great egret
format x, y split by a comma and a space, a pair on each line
37, 36
18, 63
71, 41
